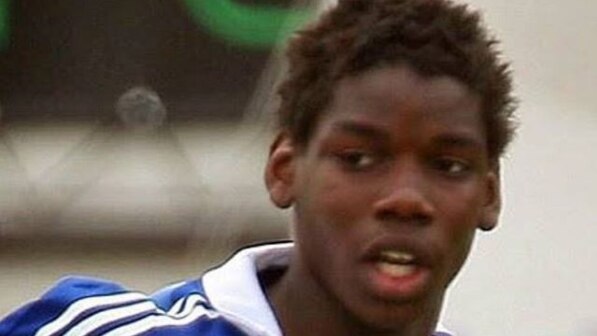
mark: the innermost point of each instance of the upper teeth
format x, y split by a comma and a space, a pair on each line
398, 257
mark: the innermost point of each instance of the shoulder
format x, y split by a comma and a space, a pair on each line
83, 306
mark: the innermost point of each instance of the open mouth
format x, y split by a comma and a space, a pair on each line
398, 270
396, 264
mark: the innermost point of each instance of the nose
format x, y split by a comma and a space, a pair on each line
405, 197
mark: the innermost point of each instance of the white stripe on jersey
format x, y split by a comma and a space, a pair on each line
106, 317
81, 306
190, 302
176, 306
191, 311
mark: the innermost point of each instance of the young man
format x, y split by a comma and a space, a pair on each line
393, 118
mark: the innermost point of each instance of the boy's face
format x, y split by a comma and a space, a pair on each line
387, 194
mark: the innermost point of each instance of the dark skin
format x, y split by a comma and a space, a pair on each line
387, 196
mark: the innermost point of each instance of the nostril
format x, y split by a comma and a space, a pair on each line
417, 219
405, 205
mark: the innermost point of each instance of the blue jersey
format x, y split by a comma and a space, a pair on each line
226, 301
86, 306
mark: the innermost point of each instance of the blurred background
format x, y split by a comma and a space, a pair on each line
133, 137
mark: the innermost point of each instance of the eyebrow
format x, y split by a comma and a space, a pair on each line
360, 129
458, 140
454, 139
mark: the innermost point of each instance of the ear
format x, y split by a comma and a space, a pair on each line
280, 171
493, 200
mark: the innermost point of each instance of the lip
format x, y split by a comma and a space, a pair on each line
398, 288
421, 251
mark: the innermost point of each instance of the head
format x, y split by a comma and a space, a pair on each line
435, 38
393, 117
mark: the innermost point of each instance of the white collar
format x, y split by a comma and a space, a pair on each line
234, 290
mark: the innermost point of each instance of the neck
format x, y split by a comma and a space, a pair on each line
304, 307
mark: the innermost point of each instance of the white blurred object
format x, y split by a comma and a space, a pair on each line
141, 109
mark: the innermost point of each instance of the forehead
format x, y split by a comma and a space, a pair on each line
400, 98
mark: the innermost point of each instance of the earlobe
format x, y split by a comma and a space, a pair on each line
493, 201
279, 171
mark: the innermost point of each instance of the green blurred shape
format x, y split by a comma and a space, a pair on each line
249, 26
4, 23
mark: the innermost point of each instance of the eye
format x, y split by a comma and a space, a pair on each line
453, 167
357, 159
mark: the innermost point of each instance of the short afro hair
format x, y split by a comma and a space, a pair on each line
434, 37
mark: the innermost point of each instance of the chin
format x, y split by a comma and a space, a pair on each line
385, 317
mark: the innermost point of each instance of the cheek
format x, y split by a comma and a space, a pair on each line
461, 216
328, 209
461, 208
336, 199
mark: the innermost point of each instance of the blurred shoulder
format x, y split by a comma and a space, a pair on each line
85, 306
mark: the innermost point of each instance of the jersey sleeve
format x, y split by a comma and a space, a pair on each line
80, 306
68, 300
